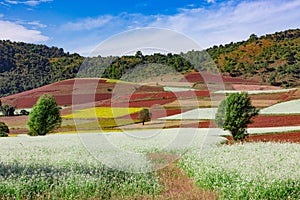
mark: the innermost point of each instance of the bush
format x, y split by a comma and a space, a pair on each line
235, 113
24, 112
145, 115
44, 117
4, 130
8, 110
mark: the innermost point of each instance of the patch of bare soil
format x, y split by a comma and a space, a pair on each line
176, 184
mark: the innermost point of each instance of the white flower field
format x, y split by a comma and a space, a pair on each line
287, 108
60, 167
195, 114
104, 165
255, 91
248, 171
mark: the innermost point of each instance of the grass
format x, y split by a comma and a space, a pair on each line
248, 171
102, 112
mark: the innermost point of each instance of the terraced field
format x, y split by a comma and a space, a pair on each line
134, 160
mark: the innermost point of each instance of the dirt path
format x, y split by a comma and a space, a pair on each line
176, 184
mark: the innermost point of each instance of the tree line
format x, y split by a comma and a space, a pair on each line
273, 58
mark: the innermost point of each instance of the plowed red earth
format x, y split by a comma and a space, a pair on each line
274, 121
259, 122
275, 96
76, 91
254, 87
209, 77
156, 113
278, 137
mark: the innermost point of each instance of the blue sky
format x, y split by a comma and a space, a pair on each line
78, 26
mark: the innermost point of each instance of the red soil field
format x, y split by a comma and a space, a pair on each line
82, 89
164, 95
209, 77
156, 113
243, 87
278, 137
145, 103
275, 121
275, 96
202, 124
62, 92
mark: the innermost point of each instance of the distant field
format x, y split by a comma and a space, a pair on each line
102, 112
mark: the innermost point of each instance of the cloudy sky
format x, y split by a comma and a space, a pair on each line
79, 26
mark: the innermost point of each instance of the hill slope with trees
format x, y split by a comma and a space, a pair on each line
272, 59
26, 66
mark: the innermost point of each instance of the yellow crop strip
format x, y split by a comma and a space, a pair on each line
103, 112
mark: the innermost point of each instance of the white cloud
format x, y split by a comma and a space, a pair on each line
16, 32
218, 24
11, 2
28, 3
37, 24
233, 22
211, 1
88, 23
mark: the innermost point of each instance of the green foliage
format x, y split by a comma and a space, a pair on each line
44, 117
7, 110
235, 113
265, 56
26, 66
144, 115
122, 65
4, 130
24, 112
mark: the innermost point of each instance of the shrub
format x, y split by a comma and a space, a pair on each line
144, 115
4, 130
8, 110
24, 112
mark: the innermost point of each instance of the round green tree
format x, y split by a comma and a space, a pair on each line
235, 113
45, 116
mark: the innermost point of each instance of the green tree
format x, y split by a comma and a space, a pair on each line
144, 115
45, 116
235, 113
8, 110
4, 130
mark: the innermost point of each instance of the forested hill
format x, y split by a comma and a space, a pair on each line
26, 66
272, 59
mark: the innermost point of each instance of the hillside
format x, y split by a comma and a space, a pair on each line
273, 59
27, 66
